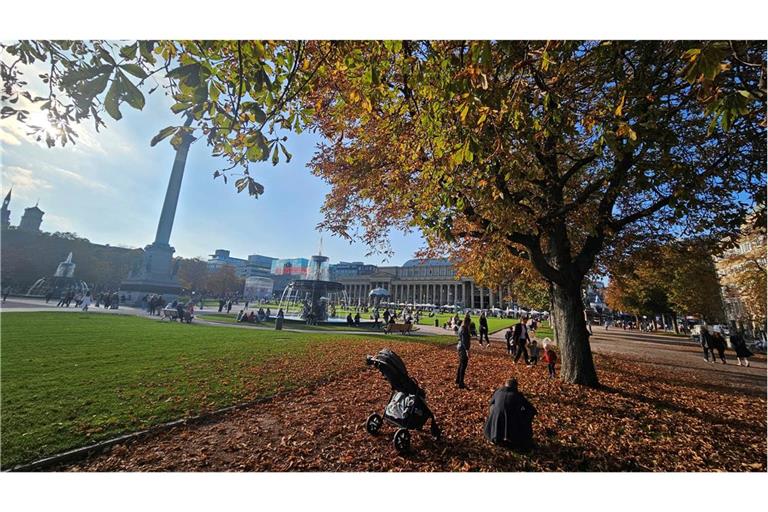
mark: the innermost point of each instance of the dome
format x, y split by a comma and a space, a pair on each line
429, 262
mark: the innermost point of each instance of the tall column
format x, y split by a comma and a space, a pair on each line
490, 298
163, 235
471, 294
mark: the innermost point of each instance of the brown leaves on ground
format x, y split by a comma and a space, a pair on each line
645, 418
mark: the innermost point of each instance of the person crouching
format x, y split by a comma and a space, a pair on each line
510, 418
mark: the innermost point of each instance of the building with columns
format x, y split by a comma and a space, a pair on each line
431, 281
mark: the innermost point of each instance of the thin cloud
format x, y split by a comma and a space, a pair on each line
23, 179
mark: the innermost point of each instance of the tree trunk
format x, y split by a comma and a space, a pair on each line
674, 323
572, 336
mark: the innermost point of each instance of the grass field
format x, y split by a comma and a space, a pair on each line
71, 379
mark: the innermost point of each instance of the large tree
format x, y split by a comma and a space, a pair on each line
547, 150
667, 278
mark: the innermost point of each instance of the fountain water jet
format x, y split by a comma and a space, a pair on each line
310, 299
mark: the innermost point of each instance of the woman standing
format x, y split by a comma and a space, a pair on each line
463, 350
740, 346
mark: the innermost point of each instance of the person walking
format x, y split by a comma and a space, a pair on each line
707, 343
484, 330
86, 301
740, 347
719, 342
521, 338
463, 351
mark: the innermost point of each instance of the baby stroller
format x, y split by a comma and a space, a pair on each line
407, 407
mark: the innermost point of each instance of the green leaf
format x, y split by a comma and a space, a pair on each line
288, 156
129, 52
179, 107
255, 189
111, 100
241, 184
135, 70
132, 94
93, 88
189, 74
145, 49
275, 156
254, 154
162, 134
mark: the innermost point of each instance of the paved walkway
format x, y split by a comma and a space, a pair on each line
675, 353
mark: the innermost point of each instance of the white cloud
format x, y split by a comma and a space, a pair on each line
23, 179
78, 178
7, 136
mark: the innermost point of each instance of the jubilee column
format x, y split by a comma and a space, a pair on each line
157, 272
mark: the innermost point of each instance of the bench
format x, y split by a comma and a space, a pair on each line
169, 314
173, 315
406, 328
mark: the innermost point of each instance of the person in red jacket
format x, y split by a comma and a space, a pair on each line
550, 357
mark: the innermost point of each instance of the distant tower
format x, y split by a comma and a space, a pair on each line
5, 213
31, 219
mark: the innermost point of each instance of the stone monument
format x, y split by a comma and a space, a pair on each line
157, 273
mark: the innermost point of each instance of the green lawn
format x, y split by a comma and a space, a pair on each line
70, 379
494, 324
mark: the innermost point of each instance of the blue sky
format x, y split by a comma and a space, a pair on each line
109, 188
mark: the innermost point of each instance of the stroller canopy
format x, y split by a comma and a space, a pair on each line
393, 369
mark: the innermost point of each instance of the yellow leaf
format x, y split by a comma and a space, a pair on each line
621, 105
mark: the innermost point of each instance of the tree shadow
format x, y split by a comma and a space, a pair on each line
673, 407
547, 454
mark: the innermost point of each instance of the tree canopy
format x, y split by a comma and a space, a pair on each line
667, 278
546, 151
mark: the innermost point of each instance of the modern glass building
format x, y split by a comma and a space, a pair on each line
292, 266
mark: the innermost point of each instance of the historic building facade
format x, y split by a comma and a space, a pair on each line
431, 281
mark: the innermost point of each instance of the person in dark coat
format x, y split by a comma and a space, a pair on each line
740, 347
484, 329
707, 343
520, 337
462, 348
719, 344
510, 419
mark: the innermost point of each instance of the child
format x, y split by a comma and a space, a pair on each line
533, 348
550, 357
508, 337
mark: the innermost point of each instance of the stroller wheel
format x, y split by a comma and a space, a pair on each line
402, 440
373, 424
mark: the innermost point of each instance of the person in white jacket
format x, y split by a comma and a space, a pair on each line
86, 301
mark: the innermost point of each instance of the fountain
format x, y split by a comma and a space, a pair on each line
63, 280
313, 298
